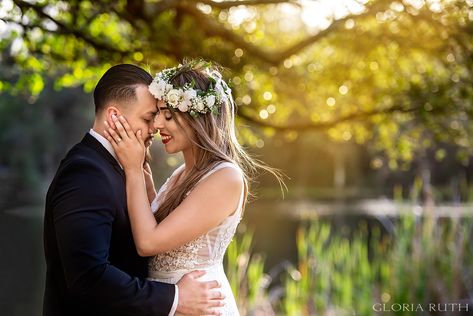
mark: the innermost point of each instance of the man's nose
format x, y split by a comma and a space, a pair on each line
153, 130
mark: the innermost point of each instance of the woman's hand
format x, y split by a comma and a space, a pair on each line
129, 148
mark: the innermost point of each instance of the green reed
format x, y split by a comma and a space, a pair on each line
426, 260
245, 272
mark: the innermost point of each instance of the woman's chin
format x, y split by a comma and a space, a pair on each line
169, 151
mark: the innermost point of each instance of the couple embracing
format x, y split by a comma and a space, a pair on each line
115, 246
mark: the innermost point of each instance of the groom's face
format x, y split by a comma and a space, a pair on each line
141, 112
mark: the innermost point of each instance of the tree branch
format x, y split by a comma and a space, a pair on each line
213, 28
306, 126
230, 4
370, 10
64, 29
210, 26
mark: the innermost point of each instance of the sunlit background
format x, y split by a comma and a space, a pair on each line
365, 105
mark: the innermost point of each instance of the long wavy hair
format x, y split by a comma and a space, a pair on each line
214, 140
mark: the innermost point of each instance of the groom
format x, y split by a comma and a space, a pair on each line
92, 264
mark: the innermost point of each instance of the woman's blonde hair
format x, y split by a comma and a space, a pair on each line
214, 139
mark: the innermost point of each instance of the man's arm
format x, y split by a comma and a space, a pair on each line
83, 216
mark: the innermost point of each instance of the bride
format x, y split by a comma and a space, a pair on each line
193, 217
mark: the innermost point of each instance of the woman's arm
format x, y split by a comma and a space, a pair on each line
208, 204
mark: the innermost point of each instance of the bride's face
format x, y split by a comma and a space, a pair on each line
174, 136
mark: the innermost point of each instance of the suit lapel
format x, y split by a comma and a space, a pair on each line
93, 143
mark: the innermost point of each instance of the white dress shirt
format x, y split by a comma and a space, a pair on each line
105, 143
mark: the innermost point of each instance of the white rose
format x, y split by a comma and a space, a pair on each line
154, 89
158, 89
210, 100
162, 88
173, 97
184, 106
220, 90
200, 106
189, 94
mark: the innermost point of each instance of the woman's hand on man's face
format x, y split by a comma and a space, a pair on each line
129, 147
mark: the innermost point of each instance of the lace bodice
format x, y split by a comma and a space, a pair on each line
206, 250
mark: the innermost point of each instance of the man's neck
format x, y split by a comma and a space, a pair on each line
105, 143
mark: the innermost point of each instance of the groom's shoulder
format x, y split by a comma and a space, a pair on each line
80, 177
82, 158
80, 153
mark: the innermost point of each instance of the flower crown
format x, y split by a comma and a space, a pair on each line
188, 99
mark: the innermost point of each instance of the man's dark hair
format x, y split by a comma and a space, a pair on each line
119, 84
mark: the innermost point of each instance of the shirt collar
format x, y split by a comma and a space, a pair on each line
105, 143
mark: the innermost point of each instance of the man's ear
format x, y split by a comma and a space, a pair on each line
109, 112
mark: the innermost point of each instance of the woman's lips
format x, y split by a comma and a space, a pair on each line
165, 138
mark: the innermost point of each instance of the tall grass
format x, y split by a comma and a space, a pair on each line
245, 272
427, 260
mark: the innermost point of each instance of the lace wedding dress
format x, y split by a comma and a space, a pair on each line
204, 253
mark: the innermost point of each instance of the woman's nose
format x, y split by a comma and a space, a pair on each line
157, 122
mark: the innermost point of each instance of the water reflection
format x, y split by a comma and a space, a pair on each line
21, 265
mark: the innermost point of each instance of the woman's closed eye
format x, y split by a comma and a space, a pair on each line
167, 115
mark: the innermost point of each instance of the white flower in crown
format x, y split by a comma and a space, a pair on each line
155, 90
186, 98
210, 100
199, 104
189, 95
221, 91
159, 88
183, 107
173, 97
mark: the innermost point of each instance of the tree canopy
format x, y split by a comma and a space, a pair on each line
397, 74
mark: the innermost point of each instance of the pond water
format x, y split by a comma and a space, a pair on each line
275, 224
21, 262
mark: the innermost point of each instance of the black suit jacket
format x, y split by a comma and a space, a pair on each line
92, 264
